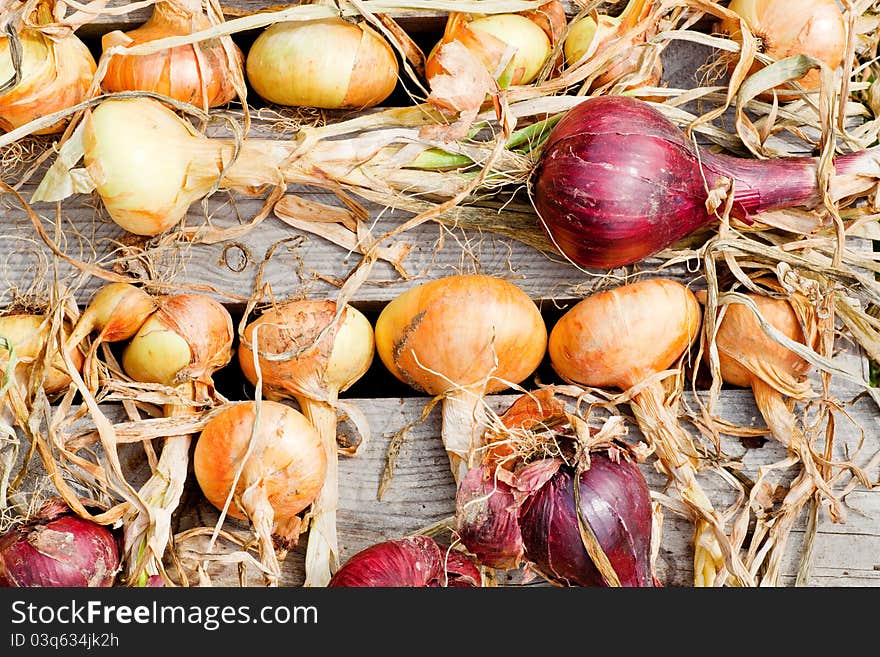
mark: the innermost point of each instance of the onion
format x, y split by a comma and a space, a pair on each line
513, 48
623, 338
784, 28
329, 63
202, 73
181, 344
589, 36
57, 548
273, 457
617, 182
749, 357
414, 562
461, 337
55, 71
307, 353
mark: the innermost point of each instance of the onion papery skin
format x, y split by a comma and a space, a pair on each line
616, 503
791, 27
617, 182
486, 519
286, 457
411, 562
28, 335
178, 72
456, 327
55, 75
58, 549
328, 63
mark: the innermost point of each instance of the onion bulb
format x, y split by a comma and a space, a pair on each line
274, 458
329, 63
623, 338
201, 73
55, 72
588, 37
180, 345
784, 28
461, 337
749, 357
412, 562
511, 47
57, 548
305, 352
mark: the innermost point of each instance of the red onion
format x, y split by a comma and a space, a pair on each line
58, 549
414, 561
616, 182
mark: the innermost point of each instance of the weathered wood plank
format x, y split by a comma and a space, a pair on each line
422, 492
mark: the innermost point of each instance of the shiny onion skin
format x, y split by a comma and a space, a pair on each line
411, 562
178, 72
58, 549
617, 182
614, 500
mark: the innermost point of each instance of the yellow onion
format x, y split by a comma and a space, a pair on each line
305, 353
461, 337
181, 344
280, 477
149, 165
590, 35
623, 338
202, 73
785, 28
491, 38
749, 357
28, 335
56, 73
328, 63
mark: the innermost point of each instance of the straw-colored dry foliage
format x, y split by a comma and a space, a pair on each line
468, 172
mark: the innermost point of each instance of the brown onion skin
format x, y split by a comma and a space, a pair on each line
58, 549
617, 182
615, 501
411, 562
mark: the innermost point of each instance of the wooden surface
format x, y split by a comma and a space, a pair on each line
422, 490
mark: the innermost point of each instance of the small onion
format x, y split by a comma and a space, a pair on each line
462, 337
281, 476
412, 562
57, 548
199, 73
329, 63
28, 335
55, 73
305, 353
785, 28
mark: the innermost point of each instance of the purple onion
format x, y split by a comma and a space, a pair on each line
58, 549
617, 182
414, 561
486, 519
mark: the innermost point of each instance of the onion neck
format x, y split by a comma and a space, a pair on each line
259, 162
772, 184
464, 422
322, 551
780, 420
262, 517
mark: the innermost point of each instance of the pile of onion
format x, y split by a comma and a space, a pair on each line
461, 338
204, 73
329, 63
411, 562
777, 376
262, 462
40, 73
624, 338
179, 346
784, 28
57, 548
521, 504
617, 182
310, 351
590, 35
